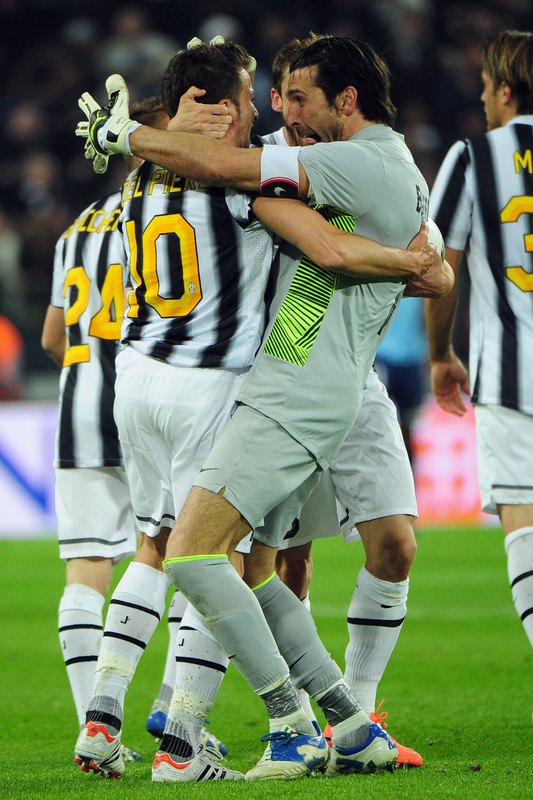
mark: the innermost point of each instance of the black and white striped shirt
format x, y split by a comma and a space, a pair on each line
482, 202
89, 283
199, 268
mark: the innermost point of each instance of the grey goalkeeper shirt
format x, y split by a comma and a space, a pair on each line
322, 339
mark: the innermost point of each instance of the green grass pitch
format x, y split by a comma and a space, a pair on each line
458, 687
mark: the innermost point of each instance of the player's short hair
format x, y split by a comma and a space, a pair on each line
508, 58
341, 61
213, 67
148, 111
286, 55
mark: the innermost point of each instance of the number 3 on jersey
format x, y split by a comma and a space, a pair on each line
105, 324
514, 208
164, 225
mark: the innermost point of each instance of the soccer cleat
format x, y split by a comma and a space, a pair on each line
155, 724
97, 750
407, 757
290, 754
328, 735
376, 753
205, 766
157, 719
129, 755
210, 742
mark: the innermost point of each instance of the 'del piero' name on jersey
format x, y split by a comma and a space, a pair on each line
96, 220
158, 179
524, 161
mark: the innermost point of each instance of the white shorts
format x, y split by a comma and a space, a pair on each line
94, 514
370, 477
167, 418
504, 457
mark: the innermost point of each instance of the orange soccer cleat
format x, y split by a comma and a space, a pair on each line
407, 757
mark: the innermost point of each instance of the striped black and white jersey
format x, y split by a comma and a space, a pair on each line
482, 202
199, 266
89, 283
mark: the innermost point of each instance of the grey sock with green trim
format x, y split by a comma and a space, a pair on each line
233, 615
294, 630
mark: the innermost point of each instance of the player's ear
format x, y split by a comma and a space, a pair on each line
348, 100
230, 105
506, 93
275, 100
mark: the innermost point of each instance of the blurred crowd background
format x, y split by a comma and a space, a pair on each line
53, 50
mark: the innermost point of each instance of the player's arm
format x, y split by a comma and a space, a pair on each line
53, 337
110, 131
338, 250
448, 373
211, 161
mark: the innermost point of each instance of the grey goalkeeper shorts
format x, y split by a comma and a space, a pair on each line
263, 471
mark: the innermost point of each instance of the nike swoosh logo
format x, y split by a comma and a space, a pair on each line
279, 191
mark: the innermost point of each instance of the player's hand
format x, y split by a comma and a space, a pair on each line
448, 379
107, 129
99, 160
192, 117
422, 252
436, 282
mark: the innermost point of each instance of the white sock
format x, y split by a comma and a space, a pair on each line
519, 549
375, 617
174, 617
200, 667
80, 634
135, 609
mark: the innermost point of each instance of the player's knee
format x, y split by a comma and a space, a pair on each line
393, 559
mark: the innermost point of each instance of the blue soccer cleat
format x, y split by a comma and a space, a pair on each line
376, 753
155, 724
289, 755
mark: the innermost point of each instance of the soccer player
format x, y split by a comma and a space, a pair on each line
373, 483
482, 201
81, 331
196, 313
208, 521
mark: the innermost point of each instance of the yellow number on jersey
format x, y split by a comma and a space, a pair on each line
164, 225
514, 208
104, 324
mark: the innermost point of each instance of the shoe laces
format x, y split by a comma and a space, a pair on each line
277, 739
380, 716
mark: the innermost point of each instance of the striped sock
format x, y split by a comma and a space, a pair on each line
375, 618
135, 609
80, 634
519, 548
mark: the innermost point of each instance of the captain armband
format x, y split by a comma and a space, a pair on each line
279, 171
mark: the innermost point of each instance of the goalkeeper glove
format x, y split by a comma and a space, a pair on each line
107, 129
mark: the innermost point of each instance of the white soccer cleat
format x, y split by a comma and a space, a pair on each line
97, 750
205, 766
378, 752
289, 755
